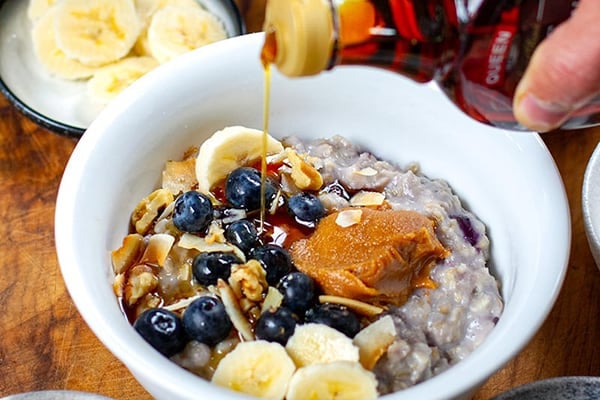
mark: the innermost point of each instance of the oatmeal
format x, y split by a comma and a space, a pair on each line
362, 275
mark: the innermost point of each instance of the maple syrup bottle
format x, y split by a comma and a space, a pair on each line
476, 50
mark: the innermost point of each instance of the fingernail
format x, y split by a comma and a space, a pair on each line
539, 115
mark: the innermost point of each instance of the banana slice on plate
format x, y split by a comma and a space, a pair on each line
259, 368
340, 380
177, 30
37, 8
317, 343
111, 80
146, 10
96, 32
53, 58
227, 150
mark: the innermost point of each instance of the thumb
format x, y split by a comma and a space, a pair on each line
564, 72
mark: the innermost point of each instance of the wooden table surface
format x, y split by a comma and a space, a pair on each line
44, 343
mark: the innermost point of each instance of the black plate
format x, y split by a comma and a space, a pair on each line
562, 388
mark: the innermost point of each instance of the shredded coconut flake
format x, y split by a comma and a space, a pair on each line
348, 218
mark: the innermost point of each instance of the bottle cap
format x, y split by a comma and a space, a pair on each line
304, 35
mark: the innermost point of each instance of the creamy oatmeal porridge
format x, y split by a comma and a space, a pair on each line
362, 275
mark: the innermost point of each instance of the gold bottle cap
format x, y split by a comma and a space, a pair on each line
304, 35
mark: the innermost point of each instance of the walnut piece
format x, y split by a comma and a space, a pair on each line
249, 280
149, 209
128, 254
140, 282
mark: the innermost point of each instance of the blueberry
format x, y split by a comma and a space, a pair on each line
276, 325
242, 234
193, 212
336, 316
306, 207
275, 260
242, 188
208, 268
206, 321
299, 292
162, 329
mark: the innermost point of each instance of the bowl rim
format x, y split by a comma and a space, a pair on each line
588, 203
38, 118
56, 394
69, 130
118, 345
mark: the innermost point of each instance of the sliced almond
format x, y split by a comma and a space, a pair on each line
374, 340
272, 299
190, 241
183, 303
368, 171
348, 218
128, 254
232, 307
360, 307
166, 212
158, 248
366, 198
233, 215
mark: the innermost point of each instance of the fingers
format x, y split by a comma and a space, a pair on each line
564, 72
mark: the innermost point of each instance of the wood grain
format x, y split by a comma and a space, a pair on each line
44, 343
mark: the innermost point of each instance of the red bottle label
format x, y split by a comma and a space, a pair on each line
499, 51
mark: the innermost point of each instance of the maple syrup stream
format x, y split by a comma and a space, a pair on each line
267, 56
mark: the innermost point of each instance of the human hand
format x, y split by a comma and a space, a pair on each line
564, 72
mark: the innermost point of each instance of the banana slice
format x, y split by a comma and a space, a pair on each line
259, 368
317, 343
340, 380
37, 8
111, 80
141, 46
96, 32
50, 56
228, 149
146, 10
177, 30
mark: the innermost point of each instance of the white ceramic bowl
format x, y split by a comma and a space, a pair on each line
590, 204
507, 178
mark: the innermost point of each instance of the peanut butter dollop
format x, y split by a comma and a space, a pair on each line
382, 257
